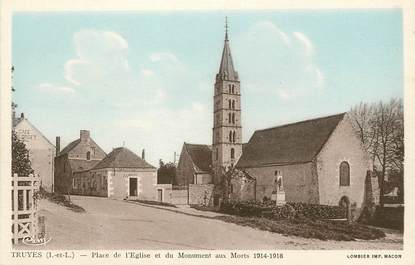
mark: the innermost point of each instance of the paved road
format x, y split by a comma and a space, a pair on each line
112, 224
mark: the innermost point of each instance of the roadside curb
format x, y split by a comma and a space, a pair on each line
174, 211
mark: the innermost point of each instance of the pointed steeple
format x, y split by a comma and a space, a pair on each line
226, 69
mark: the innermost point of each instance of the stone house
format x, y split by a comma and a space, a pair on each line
121, 175
80, 155
320, 161
195, 165
41, 151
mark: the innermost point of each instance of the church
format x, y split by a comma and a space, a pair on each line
318, 161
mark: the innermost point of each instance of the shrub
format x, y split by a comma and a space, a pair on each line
288, 211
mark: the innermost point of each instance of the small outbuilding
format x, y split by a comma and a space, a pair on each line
121, 174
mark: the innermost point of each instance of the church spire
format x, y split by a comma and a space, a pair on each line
226, 69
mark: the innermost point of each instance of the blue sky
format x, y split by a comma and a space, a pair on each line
146, 78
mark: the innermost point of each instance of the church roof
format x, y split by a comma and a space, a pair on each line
226, 69
122, 157
292, 143
201, 156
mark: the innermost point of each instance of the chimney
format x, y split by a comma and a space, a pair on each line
58, 145
84, 135
143, 154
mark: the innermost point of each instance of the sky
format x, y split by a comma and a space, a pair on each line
145, 79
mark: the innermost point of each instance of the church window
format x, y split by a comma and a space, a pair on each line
233, 118
217, 154
230, 88
232, 153
229, 117
233, 89
88, 155
233, 136
229, 103
344, 172
230, 136
233, 104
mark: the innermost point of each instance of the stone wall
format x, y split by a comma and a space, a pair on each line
200, 194
118, 183
166, 192
343, 145
179, 197
90, 183
299, 182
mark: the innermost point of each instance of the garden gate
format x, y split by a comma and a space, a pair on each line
24, 206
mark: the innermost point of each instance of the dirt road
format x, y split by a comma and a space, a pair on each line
112, 224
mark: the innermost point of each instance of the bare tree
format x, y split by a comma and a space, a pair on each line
381, 129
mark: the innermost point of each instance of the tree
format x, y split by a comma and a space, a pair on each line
166, 174
381, 129
20, 157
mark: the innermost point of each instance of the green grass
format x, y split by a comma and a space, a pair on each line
307, 228
303, 227
61, 199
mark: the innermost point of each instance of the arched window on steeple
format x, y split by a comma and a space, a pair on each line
229, 117
233, 89
233, 136
230, 102
230, 136
233, 104
232, 153
233, 118
230, 88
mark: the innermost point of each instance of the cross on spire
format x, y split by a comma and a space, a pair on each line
226, 28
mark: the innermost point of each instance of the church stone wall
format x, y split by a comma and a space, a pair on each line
343, 145
299, 182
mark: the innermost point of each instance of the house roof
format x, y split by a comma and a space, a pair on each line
292, 143
69, 147
122, 157
73, 144
82, 165
201, 156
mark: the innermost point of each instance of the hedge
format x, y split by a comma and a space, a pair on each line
287, 211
